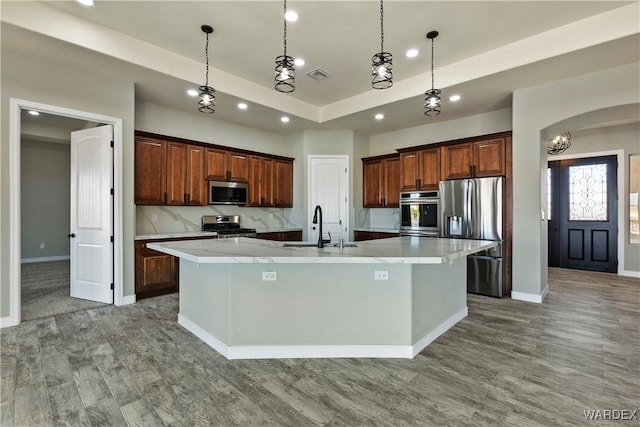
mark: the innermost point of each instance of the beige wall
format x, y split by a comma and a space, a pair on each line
59, 84
45, 184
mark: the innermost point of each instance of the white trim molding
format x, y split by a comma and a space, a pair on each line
15, 106
523, 296
629, 273
6, 322
320, 351
128, 299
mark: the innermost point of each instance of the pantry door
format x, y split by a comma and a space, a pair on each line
583, 223
329, 189
91, 227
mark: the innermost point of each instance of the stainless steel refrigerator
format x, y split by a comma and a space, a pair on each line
472, 209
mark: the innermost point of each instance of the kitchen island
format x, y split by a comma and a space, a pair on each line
250, 298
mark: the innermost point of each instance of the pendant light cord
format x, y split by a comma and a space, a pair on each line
432, 79
285, 29
206, 55
381, 27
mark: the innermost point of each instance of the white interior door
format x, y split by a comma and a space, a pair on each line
329, 188
91, 214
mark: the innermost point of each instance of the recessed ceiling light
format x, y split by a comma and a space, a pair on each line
379, 116
412, 53
34, 113
299, 62
86, 2
192, 92
454, 98
284, 119
291, 16
242, 106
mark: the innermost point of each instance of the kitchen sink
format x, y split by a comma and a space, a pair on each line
315, 244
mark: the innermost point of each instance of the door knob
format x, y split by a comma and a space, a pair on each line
71, 235
313, 228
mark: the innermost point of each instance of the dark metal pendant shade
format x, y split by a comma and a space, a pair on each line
285, 74
206, 94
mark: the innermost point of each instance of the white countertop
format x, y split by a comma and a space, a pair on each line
409, 250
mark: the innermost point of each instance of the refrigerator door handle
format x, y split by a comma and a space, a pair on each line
469, 205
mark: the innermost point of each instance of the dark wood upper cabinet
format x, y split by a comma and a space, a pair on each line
261, 178
381, 182
283, 183
176, 174
473, 159
224, 165
150, 173
420, 169
195, 183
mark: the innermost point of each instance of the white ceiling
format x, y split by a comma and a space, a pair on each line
485, 51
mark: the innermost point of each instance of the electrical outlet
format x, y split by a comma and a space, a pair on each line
154, 217
380, 275
43, 245
270, 276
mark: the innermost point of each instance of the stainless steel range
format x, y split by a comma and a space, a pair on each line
226, 226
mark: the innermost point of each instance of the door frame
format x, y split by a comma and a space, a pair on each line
621, 206
15, 128
310, 207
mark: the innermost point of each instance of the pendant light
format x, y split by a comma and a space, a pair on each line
206, 94
559, 144
285, 73
432, 96
382, 63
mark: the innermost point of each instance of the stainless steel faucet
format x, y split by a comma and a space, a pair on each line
321, 241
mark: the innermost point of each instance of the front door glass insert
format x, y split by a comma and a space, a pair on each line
588, 193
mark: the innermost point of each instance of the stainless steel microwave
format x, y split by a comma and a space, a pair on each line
228, 193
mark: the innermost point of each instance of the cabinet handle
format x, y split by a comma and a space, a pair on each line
165, 197
228, 175
471, 170
474, 170
416, 183
419, 183
384, 202
188, 196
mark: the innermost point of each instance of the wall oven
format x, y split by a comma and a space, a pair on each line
420, 213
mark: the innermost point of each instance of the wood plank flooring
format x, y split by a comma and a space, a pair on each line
509, 363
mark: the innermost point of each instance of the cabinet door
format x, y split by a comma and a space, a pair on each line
456, 161
489, 157
176, 173
372, 184
216, 164
254, 181
195, 183
429, 177
238, 167
283, 185
391, 183
150, 173
156, 272
266, 184
409, 171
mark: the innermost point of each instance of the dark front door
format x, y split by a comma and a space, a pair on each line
583, 215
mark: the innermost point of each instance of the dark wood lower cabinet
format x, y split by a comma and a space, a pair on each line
359, 236
282, 236
156, 273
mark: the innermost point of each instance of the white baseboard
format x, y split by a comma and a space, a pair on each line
6, 322
321, 351
629, 273
128, 299
439, 330
45, 259
523, 296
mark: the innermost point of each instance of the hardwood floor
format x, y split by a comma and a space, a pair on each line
508, 363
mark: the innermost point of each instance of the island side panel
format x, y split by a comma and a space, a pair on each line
204, 297
320, 304
439, 297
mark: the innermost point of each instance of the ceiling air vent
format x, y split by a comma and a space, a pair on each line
318, 74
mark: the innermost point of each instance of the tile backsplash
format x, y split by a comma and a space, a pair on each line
165, 219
